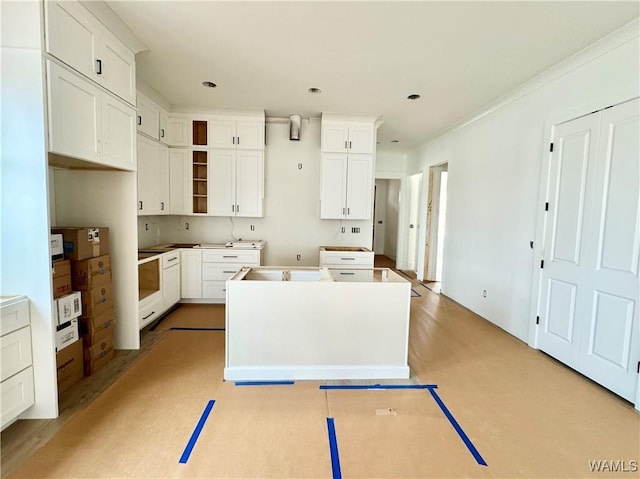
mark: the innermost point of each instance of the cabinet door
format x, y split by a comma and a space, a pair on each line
191, 273
116, 67
171, 285
359, 187
70, 36
249, 183
148, 117
178, 132
74, 115
335, 138
179, 181
222, 183
163, 179
118, 133
164, 121
222, 133
250, 134
332, 186
361, 139
148, 177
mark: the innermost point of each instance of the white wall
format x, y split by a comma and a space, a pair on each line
494, 176
393, 218
24, 250
291, 224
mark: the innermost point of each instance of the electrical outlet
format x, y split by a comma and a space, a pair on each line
342, 229
146, 226
253, 227
355, 229
298, 257
484, 293
299, 166
186, 226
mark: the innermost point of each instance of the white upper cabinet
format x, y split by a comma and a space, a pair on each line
236, 133
118, 133
164, 123
236, 184
178, 131
179, 181
148, 120
344, 137
78, 39
153, 178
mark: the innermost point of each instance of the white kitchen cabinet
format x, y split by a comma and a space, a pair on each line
178, 131
236, 183
345, 137
153, 177
77, 38
162, 127
236, 134
218, 265
179, 182
88, 123
148, 120
171, 278
191, 273
346, 190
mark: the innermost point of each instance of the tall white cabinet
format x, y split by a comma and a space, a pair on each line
347, 168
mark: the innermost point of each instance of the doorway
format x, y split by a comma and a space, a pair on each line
436, 221
415, 184
386, 208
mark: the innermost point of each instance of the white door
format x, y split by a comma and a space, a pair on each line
589, 282
178, 131
222, 133
179, 181
380, 215
249, 182
191, 273
414, 208
250, 134
148, 177
361, 139
333, 186
74, 115
148, 121
116, 68
118, 133
335, 138
164, 121
162, 164
359, 187
222, 200
171, 285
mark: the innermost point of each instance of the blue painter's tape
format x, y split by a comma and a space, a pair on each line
333, 449
196, 432
379, 386
176, 328
264, 383
456, 426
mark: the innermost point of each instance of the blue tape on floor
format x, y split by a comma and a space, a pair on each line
333, 448
195, 329
378, 386
196, 432
458, 429
264, 383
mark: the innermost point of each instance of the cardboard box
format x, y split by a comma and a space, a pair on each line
96, 356
84, 243
99, 336
90, 273
92, 325
69, 365
69, 307
57, 249
97, 300
61, 277
67, 334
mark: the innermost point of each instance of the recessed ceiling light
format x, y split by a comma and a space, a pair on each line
314, 90
395, 141
413, 96
209, 84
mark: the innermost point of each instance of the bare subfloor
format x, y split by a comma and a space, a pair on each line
524, 414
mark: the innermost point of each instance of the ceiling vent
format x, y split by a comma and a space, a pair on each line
294, 127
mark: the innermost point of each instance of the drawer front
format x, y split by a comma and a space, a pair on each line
15, 352
14, 316
346, 259
243, 257
217, 272
16, 395
149, 312
170, 259
214, 289
353, 275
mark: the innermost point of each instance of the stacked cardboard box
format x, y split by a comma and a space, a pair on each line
88, 249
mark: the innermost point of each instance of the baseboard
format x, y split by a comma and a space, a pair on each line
276, 373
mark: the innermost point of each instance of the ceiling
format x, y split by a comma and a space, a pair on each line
366, 57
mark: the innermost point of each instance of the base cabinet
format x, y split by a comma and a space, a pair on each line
191, 274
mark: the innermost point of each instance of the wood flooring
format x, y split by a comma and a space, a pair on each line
526, 414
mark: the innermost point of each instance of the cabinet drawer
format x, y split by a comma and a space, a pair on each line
346, 259
243, 257
14, 316
16, 395
15, 352
216, 272
214, 289
170, 259
352, 275
151, 310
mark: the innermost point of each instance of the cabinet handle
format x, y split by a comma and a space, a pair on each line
345, 144
348, 211
238, 140
172, 259
234, 256
161, 132
343, 211
229, 272
237, 208
349, 259
139, 120
99, 62
233, 139
149, 315
162, 205
233, 208
140, 204
346, 274
349, 145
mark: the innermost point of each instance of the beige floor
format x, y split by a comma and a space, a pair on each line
528, 415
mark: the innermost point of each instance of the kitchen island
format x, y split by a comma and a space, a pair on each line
309, 323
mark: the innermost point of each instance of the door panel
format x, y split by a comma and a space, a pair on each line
611, 324
118, 133
359, 187
221, 183
561, 311
249, 183
250, 134
333, 186
118, 69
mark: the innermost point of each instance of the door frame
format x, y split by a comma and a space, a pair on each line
403, 221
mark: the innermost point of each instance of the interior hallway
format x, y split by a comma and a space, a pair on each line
528, 415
